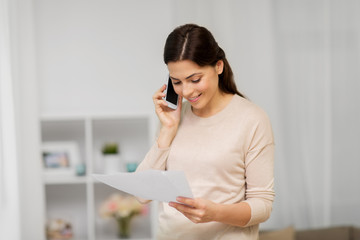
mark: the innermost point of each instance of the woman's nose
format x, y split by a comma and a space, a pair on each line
187, 90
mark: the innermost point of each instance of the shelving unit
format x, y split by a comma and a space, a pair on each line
77, 198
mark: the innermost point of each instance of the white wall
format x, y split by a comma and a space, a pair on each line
100, 56
345, 73
106, 56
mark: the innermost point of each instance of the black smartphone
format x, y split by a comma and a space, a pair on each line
171, 97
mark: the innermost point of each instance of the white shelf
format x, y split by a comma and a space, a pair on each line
63, 179
78, 198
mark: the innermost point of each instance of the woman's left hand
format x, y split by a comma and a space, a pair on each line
198, 210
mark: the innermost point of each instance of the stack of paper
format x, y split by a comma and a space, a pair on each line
163, 186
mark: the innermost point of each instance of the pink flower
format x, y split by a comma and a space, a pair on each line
112, 206
120, 206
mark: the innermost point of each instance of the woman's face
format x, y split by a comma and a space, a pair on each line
198, 85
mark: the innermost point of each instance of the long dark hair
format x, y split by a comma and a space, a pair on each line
196, 43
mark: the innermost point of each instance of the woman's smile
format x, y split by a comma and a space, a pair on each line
194, 99
199, 85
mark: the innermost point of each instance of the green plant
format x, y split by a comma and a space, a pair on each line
110, 148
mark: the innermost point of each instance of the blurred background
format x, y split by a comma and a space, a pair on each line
298, 59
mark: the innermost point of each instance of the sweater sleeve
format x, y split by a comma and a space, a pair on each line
155, 158
259, 172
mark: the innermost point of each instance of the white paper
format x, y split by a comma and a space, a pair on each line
163, 186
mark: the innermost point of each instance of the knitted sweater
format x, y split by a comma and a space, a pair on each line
227, 158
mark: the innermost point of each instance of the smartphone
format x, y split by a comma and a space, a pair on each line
171, 97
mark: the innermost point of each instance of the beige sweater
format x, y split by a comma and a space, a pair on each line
227, 158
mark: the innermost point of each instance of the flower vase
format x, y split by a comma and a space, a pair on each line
124, 226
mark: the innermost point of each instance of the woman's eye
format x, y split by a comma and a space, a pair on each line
196, 81
176, 83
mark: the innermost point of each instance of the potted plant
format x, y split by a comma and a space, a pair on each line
110, 148
111, 157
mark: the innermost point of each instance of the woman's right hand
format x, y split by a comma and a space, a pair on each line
169, 118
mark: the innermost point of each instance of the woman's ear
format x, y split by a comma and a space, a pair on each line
219, 67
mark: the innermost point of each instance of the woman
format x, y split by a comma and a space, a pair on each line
222, 142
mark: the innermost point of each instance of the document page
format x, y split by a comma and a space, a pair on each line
159, 185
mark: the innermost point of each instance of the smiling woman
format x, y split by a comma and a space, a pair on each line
194, 43
199, 85
222, 141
